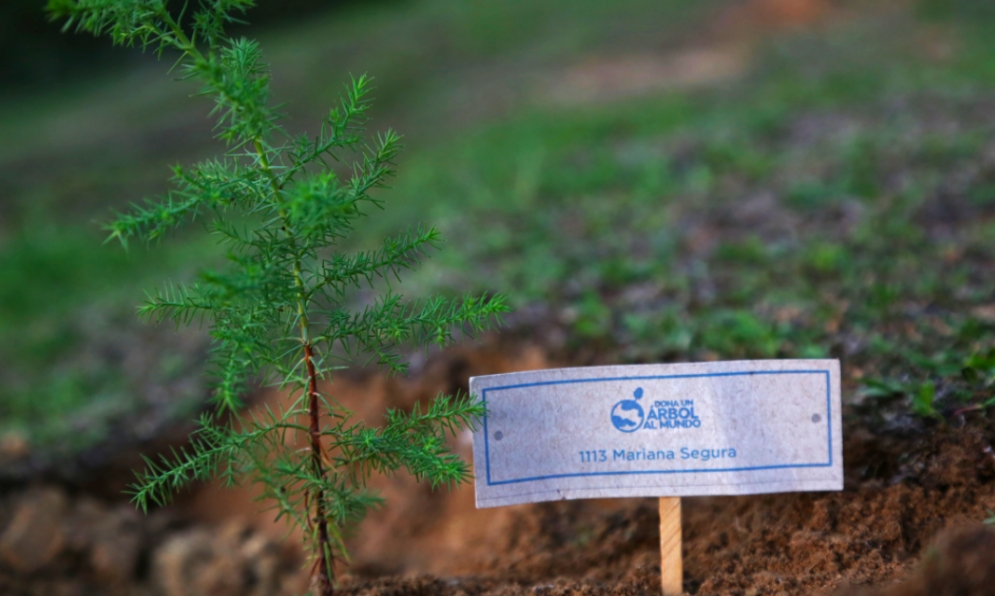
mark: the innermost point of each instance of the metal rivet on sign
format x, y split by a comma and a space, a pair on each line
816, 418
498, 435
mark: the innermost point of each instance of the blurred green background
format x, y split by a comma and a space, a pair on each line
647, 180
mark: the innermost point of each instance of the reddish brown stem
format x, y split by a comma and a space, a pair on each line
325, 569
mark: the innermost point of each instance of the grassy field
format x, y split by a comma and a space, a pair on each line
831, 195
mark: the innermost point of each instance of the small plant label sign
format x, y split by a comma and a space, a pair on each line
658, 430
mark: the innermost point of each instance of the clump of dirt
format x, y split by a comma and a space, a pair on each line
53, 542
959, 563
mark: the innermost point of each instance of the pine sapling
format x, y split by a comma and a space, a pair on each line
279, 311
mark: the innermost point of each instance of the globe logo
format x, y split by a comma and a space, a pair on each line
628, 415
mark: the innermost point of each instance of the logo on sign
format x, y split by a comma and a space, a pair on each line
629, 416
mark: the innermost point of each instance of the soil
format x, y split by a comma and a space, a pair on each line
913, 491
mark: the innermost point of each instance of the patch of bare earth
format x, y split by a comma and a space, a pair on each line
902, 489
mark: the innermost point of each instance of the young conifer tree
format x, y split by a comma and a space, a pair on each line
279, 311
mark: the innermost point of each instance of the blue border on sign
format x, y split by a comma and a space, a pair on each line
829, 426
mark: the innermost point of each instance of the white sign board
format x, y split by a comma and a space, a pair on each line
658, 430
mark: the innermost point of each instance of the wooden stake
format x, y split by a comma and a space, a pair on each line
671, 565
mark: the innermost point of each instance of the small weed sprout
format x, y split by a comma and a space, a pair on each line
279, 310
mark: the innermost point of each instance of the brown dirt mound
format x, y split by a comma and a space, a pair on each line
902, 488
900, 492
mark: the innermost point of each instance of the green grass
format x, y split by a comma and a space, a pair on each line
634, 219
836, 200
76, 362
